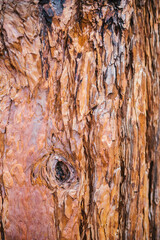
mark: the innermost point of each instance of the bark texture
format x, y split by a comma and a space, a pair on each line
79, 119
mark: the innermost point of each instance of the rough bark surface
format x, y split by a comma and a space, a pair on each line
79, 119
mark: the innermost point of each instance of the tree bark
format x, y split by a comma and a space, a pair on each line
79, 119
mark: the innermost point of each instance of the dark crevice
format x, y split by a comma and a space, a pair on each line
1, 222
91, 170
51, 8
79, 12
155, 180
132, 23
96, 72
119, 25
139, 3
150, 181
102, 31
102, 36
129, 67
104, 86
116, 84
139, 183
87, 219
83, 222
45, 49
116, 25
109, 23
41, 57
76, 67
79, 55
47, 17
62, 172
55, 198
79, 82
42, 2
75, 97
68, 41
115, 3
2, 231
90, 174
122, 197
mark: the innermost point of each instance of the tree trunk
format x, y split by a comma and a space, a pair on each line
79, 123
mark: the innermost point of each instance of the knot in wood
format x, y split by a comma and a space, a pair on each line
54, 170
62, 172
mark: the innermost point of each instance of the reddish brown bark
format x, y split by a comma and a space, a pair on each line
79, 123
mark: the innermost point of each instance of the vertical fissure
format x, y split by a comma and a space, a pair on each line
56, 220
83, 222
45, 25
90, 169
1, 220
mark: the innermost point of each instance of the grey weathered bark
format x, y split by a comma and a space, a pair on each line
79, 123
